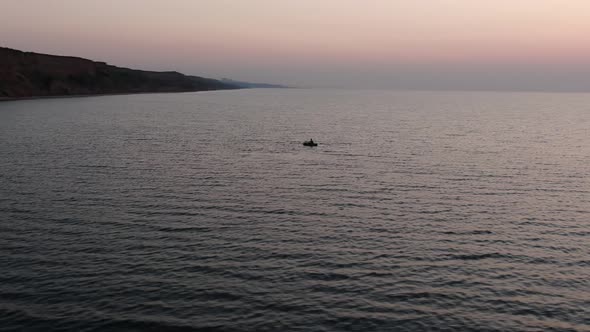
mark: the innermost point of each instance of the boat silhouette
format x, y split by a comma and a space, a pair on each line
310, 143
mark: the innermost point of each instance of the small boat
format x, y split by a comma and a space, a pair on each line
310, 143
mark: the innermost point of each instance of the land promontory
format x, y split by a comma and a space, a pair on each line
28, 74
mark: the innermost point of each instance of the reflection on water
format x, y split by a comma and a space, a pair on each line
417, 211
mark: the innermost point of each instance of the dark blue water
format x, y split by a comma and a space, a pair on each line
202, 211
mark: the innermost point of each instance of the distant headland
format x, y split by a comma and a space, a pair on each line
250, 85
29, 75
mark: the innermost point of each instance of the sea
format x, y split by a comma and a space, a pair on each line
417, 211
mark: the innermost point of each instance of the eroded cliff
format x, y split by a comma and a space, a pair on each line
27, 74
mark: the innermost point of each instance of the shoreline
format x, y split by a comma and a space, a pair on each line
3, 99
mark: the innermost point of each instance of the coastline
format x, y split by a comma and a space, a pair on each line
4, 99
30, 75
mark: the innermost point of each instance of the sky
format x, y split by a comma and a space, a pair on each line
401, 44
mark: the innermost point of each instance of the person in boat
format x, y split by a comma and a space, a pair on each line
310, 143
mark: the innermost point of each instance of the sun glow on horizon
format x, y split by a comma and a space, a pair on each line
249, 35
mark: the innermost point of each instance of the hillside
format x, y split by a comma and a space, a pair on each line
27, 74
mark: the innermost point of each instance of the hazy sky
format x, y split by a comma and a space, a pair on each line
449, 44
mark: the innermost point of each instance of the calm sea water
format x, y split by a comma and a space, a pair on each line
418, 211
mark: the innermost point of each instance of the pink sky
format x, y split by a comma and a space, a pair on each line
309, 42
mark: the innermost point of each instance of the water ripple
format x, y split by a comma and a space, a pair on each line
203, 212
